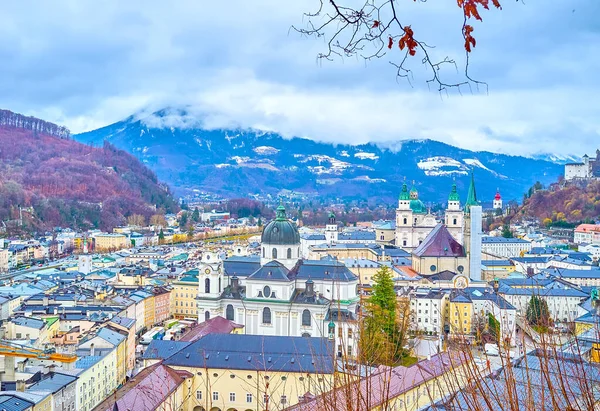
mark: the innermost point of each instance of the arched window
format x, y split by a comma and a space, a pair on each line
219, 284
206, 315
266, 315
454, 221
207, 285
289, 253
274, 253
229, 312
405, 220
306, 318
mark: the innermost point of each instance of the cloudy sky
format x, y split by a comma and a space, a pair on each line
236, 63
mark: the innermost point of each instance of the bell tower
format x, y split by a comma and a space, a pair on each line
331, 229
454, 215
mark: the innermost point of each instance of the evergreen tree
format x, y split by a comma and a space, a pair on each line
506, 233
161, 236
190, 232
183, 220
196, 215
537, 311
259, 222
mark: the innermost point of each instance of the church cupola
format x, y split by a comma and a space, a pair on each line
404, 199
497, 201
280, 240
454, 199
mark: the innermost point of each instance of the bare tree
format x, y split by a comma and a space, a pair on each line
377, 28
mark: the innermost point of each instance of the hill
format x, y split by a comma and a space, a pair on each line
564, 203
57, 181
239, 163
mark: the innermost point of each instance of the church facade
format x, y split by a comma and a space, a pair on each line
414, 222
280, 293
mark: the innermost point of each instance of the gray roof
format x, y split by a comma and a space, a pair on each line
52, 382
161, 349
14, 403
241, 266
30, 322
257, 352
111, 336
280, 232
322, 270
502, 240
271, 271
357, 236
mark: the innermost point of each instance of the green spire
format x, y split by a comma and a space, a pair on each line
453, 194
404, 193
280, 215
471, 196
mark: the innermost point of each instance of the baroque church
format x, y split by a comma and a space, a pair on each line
278, 292
414, 222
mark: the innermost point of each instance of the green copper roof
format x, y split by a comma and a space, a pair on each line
331, 214
453, 194
417, 206
404, 193
281, 213
471, 196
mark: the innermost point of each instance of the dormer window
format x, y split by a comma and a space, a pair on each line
267, 291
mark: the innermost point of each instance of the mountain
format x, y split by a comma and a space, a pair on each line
244, 162
50, 180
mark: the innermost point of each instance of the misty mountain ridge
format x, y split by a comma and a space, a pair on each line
177, 145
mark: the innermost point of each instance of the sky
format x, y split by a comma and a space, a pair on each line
237, 63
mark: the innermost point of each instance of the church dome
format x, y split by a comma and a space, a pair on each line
417, 206
497, 196
404, 193
454, 194
280, 231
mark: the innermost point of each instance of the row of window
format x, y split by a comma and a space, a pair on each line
266, 315
232, 397
274, 253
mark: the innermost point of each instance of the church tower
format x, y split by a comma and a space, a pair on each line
331, 229
404, 219
454, 215
472, 231
497, 201
84, 262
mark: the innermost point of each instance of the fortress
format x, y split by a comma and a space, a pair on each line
589, 168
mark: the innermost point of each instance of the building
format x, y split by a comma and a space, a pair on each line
429, 308
472, 231
214, 216
4, 266
587, 233
497, 203
240, 372
61, 386
110, 242
413, 220
157, 387
504, 247
162, 304
279, 293
440, 252
183, 295
385, 232
588, 168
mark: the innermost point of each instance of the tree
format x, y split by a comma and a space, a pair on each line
506, 232
183, 220
537, 312
259, 223
376, 28
196, 215
158, 220
493, 326
136, 220
190, 232
161, 236
547, 222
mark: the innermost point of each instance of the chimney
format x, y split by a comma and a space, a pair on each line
235, 284
20, 386
45, 301
310, 288
530, 272
92, 349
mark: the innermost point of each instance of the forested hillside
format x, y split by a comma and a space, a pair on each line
49, 180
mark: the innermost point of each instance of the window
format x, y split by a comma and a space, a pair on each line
229, 312
433, 268
266, 315
215, 396
207, 285
340, 332
404, 242
219, 284
248, 397
206, 315
350, 333
306, 318
265, 398
263, 252
289, 253
232, 397
274, 253
267, 291
199, 395
454, 221
405, 221
283, 399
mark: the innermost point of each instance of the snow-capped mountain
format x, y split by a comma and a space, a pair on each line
244, 162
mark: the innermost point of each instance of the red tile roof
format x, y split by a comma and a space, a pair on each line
216, 325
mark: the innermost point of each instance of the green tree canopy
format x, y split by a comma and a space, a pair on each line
537, 311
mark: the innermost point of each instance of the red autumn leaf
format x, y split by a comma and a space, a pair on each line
469, 39
390, 42
497, 4
408, 41
375, 24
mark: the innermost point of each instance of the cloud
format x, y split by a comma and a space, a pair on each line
86, 64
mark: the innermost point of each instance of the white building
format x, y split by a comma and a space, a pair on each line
583, 170
592, 249
414, 222
587, 233
280, 293
504, 247
497, 204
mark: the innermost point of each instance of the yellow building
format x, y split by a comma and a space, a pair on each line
491, 269
459, 313
183, 296
241, 372
149, 312
110, 242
